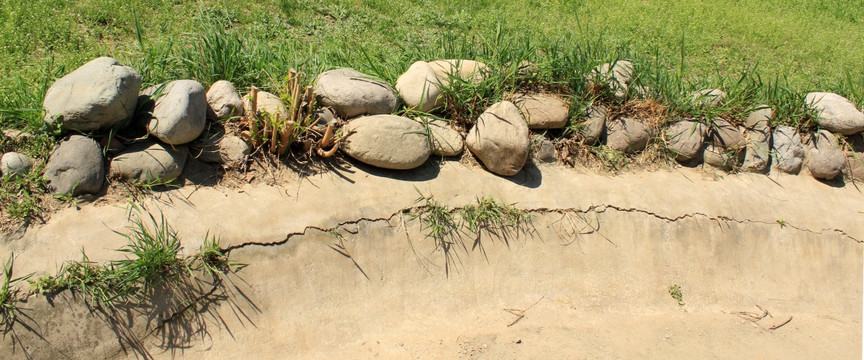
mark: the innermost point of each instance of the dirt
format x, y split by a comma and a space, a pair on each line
589, 278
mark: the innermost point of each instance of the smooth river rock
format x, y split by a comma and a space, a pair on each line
500, 139
351, 93
386, 141
836, 113
180, 113
76, 167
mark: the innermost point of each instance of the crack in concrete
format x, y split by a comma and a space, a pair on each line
599, 209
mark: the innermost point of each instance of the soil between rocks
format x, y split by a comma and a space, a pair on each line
591, 283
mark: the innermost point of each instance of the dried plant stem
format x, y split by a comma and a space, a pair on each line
253, 116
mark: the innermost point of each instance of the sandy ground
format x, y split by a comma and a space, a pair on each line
590, 284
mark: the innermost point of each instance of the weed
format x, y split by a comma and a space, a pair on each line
488, 213
9, 295
675, 292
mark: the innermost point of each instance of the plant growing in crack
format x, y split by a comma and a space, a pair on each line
675, 292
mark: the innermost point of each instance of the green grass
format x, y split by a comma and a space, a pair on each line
152, 262
9, 295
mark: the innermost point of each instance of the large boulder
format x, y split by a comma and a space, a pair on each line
445, 140
267, 103
627, 135
787, 149
686, 138
593, 123
418, 87
221, 148
100, 94
386, 141
826, 160
223, 101
543, 111
149, 162
836, 113
180, 113
500, 139
615, 75
15, 164
708, 97
468, 70
75, 167
758, 153
352, 93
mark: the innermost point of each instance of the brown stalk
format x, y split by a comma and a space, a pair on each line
274, 135
286, 137
328, 153
327, 140
253, 115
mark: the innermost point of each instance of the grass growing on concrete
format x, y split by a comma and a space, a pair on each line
153, 261
9, 295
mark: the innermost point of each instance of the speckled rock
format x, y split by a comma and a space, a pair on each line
686, 138
76, 167
787, 149
386, 141
351, 93
500, 139
825, 160
100, 94
593, 123
758, 153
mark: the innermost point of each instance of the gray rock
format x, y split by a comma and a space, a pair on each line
758, 153
836, 113
469, 70
445, 140
149, 162
616, 75
726, 135
594, 123
16, 135
220, 148
708, 97
267, 104
500, 139
223, 101
543, 111
627, 135
180, 113
787, 149
722, 158
386, 141
76, 167
419, 88
15, 164
100, 94
686, 139
543, 149
826, 160
352, 93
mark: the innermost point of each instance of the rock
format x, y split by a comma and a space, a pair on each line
267, 103
386, 141
15, 164
180, 114
627, 135
594, 123
445, 140
724, 134
616, 75
708, 97
787, 149
16, 135
500, 139
836, 113
223, 101
855, 158
757, 156
686, 139
826, 160
220, 148
100, 94
469, 70
352, 93
149, 162
722, 158
543, 111
527, 69
543, 149
419, 88
76, 167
